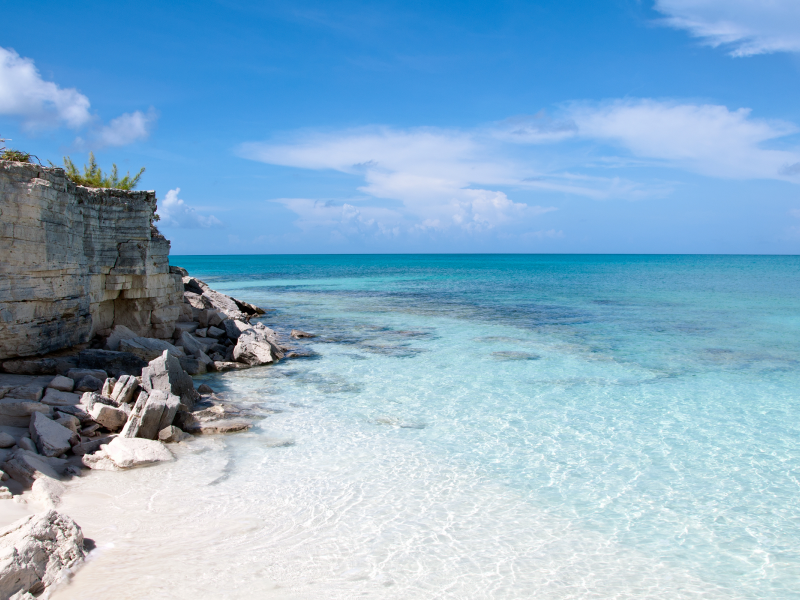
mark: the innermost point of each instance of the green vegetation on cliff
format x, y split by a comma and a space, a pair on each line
93, 175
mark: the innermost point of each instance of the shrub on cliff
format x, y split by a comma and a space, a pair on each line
16, 155
93, 175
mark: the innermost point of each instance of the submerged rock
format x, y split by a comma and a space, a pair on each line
298, 334
38, 551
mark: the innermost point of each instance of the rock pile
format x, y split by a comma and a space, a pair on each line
115, 406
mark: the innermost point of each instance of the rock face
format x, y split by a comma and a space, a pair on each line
37, 551
77, 261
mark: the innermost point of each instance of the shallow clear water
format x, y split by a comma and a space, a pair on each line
484, 427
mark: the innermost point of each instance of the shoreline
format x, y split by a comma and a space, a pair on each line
112, 422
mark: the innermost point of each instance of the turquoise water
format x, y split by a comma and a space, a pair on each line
523, 426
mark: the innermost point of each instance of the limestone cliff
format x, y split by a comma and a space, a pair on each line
76, 261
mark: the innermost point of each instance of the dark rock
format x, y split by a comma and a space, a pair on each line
113, 363
205, 389
78, 374
89, 384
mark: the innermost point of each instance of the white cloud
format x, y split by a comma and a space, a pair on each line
443, 179
707, 139
23, 93
43, 104
127, 128
174, 212
439, 177
747, 27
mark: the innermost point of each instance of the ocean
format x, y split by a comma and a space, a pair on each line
483, 426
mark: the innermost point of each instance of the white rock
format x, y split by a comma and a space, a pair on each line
255, 347
110, 417
47, 491
51, 438
128, 453
108, 387
165, 373
61, 383
125, 389
38, 551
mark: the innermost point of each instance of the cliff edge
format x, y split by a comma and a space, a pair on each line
77, 261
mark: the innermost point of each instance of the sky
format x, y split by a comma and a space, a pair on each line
275, 127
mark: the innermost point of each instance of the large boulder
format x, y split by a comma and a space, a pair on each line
151, 414
51, 438
257, 346
165, 373
38, 551
113, 363
128, 453
234, 328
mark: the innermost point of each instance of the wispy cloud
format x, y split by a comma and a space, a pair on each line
449, 179
708, 139
39, 103
437, 175
174, 212
746, 27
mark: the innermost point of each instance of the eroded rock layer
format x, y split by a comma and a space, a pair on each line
78, 261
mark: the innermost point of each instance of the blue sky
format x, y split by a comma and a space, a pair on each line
286, 127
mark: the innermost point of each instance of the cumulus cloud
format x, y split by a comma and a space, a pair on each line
174, 212
40, 103
43, 104
127, 128
746, 27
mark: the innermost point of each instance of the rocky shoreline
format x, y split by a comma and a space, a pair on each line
115, 403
